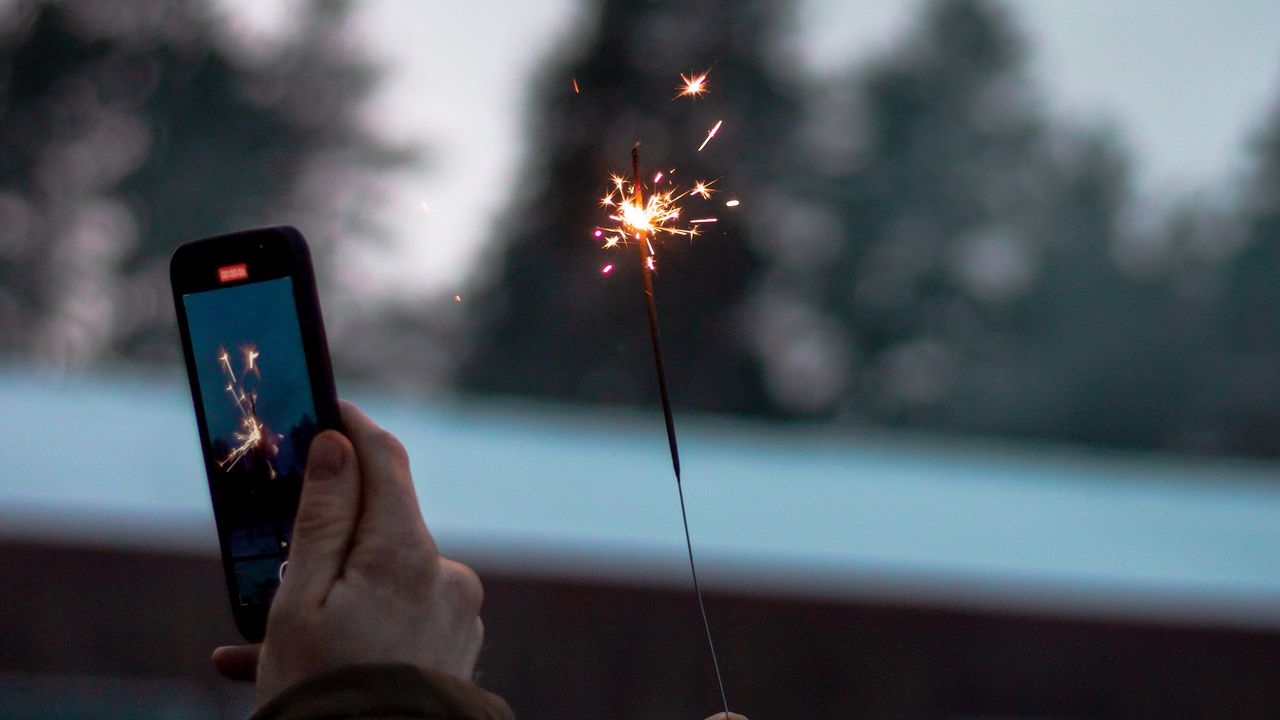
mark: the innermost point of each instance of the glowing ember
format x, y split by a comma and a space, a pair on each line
606, 269
575, 86
710, 134
702, 220
252, 433
693, 85
638, 216
702, 189
732, 203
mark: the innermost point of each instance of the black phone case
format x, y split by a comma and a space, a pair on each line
271, 253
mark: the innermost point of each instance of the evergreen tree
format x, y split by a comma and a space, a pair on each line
1246, 380
942, 212
128, 128
551, 323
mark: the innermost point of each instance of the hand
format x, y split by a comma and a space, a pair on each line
365, 582
731, 716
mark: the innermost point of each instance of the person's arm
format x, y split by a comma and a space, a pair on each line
370, 620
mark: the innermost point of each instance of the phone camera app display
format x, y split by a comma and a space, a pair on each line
260, 416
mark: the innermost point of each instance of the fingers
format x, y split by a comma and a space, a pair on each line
731, 716
390, 516
327, 513
237, 662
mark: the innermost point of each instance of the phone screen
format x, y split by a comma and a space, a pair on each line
260, 418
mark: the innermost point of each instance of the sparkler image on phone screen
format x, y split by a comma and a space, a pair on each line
260, 418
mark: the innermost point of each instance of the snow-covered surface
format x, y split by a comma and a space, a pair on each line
525, 489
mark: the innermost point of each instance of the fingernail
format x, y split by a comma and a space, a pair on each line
327, 458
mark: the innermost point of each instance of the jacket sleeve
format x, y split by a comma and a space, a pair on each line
385, 691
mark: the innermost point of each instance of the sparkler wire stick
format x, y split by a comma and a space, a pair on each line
646, 270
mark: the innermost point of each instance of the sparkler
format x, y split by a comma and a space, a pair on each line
252, 432
638, 221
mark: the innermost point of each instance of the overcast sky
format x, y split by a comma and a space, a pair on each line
1185, 82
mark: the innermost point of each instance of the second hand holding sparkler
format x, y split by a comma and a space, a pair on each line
646, 270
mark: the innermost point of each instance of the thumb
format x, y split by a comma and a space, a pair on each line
327, 513
237, 662
723, 715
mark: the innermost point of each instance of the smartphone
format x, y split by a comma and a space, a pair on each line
262, 387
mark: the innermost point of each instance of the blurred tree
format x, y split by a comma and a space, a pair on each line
127, 128
983, 276
976, 286
1246, 379
941, 201
550, 323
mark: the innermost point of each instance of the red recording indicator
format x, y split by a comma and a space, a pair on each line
229, 273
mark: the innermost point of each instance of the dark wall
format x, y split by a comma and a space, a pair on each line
578, 650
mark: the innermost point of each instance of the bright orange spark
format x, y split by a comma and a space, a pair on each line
640, 214
694, 85
703, 189
575, 86
711, 134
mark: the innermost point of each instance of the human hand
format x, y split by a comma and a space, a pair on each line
730, 716
365, 583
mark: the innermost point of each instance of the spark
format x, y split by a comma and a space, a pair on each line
457, 298
606, 269
252, 433
575, 86
226, 363
637, 215
732, 203
703, 189
657, 178
710, 134
702, 220
694, 85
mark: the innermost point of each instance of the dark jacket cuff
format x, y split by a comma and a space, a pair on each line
385, 691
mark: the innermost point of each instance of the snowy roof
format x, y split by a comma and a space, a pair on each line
542, 490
